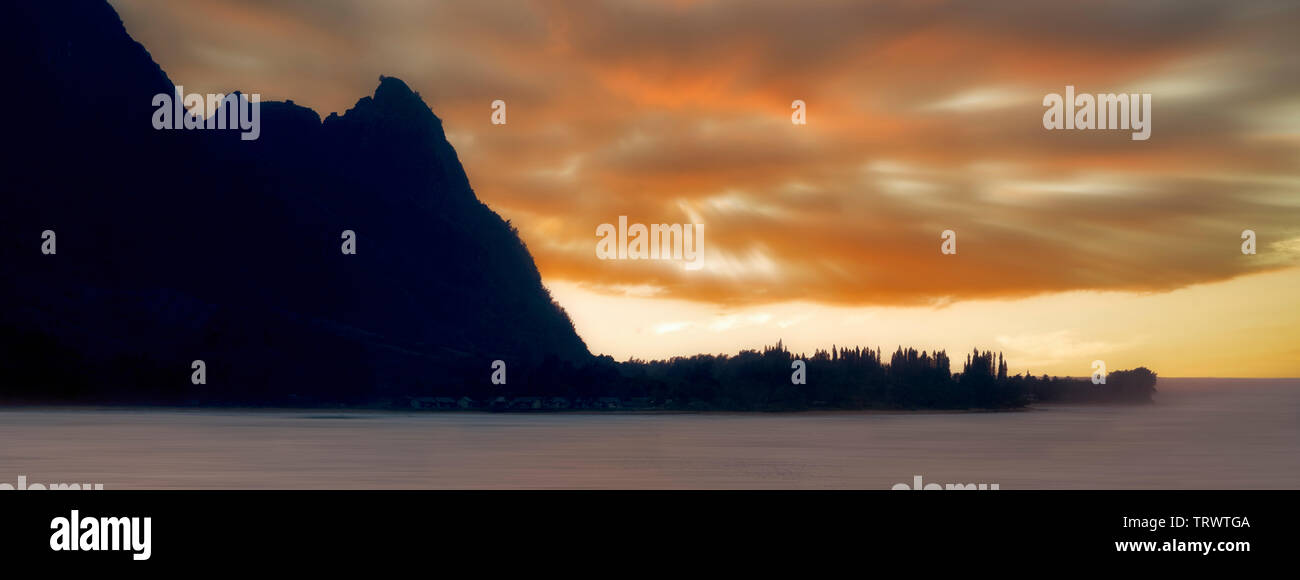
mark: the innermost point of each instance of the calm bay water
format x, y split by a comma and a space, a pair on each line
1200, 434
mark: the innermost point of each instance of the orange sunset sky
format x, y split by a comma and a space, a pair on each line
922, 116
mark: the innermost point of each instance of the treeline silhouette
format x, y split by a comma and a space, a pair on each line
1129, 386
838, 378
845, 378
752, 380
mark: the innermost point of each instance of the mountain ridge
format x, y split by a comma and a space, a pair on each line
182, 245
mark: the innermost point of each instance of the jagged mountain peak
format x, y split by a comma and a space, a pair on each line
205, 246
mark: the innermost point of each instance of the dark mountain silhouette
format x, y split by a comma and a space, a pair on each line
181, 245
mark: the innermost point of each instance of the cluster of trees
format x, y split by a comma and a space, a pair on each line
1130, 386
838, 378
843, 378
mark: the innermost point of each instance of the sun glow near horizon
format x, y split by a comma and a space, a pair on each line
1246, 327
